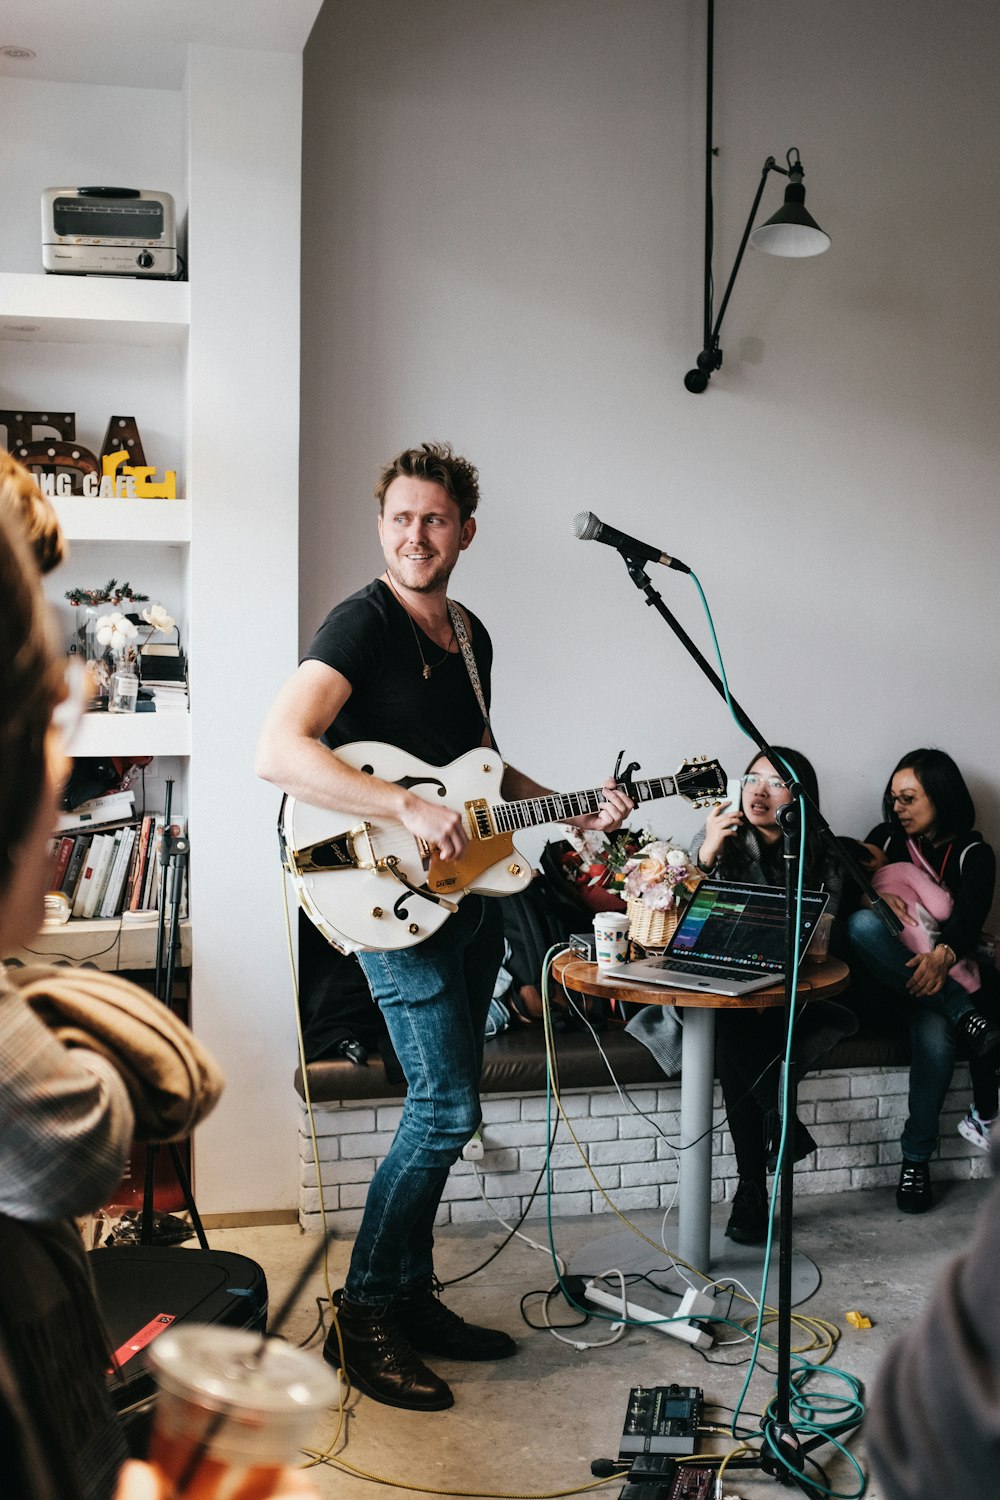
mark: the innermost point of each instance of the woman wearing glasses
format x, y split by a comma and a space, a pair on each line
939, 876
745, 843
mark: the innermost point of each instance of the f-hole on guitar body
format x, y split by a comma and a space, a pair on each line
367, 883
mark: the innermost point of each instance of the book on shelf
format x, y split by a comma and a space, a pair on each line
114, 807
60, 863
81, 846
150, 879
103, 875
168, 699
94, 873
112, 898
138, 871
161, 662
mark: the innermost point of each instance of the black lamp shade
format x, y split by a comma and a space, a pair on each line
792, 231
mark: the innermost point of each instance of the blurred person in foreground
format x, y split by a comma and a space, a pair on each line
933, 1425
88, 1062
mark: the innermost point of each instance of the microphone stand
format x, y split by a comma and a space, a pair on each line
783, 1454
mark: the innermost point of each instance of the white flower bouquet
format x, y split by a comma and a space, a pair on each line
119, 635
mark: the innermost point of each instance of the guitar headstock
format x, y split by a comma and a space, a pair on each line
701, 781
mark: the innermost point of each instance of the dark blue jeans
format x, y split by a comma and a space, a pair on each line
932, 1034
434, 998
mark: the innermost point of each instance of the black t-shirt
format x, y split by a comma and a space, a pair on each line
369, 639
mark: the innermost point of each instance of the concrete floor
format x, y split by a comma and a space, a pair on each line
530, 1425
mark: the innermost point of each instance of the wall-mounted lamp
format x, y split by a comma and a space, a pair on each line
792, 231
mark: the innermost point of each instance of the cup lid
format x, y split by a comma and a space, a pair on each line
222, 1367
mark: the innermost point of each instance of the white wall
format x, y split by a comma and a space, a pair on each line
244, 113
503, 246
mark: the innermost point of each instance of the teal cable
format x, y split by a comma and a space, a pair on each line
805, 1423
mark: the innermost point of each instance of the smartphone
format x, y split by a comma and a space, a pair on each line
734, 793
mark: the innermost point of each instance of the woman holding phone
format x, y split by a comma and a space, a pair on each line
745, 842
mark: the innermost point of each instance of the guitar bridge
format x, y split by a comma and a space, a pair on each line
480, 820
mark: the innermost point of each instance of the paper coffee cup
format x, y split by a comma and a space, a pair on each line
229, 1417
611, 938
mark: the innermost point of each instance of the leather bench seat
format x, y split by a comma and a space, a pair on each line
514, 1063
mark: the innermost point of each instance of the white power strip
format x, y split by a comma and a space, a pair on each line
693, 1304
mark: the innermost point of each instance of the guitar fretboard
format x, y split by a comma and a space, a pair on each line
557, 807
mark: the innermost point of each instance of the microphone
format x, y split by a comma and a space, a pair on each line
588, 528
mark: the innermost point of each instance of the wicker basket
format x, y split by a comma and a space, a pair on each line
649, 928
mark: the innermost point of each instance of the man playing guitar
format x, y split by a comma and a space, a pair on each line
388, 664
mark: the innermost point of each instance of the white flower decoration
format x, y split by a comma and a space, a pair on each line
116, 631
157, 617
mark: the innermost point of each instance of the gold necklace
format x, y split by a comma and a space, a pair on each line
428, 667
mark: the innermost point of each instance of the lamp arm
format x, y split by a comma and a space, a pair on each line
770, 165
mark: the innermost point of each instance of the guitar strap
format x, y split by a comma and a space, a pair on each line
465, 645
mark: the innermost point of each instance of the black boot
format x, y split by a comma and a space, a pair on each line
802, 1143
381, 1361
435, 1329
748, 1220
913, 1192
981, 1039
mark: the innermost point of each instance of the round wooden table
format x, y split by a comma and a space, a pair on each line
816, 980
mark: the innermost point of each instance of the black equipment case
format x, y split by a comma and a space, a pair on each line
143, 1289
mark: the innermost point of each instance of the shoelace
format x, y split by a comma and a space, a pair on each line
912, 1179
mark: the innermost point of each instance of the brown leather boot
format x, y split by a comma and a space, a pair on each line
380, 1360
435, 1329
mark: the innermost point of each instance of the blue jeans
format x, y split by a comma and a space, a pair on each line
435, 999
932, 1034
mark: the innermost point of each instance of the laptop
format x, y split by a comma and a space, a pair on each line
730, 940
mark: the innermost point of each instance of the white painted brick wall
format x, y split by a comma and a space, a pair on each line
856, 1120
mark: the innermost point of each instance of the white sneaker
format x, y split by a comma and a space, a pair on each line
975, 1129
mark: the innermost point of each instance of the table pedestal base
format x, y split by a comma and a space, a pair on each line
745, 1263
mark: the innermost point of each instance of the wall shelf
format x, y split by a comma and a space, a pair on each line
105, 942
38, 308
154, 521
106, 734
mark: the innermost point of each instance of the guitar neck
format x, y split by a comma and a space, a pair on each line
556, 807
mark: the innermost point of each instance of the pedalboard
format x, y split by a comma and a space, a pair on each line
660, 1420
664, 1478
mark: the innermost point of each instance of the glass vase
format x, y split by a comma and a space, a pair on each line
124, 691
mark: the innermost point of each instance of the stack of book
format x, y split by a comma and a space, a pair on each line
163, 672
105, 857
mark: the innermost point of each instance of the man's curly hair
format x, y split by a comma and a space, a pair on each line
440, 464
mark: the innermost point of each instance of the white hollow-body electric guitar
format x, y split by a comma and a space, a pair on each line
367, 883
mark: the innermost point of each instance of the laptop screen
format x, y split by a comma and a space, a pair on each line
741, 924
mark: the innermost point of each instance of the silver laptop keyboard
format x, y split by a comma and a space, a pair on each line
713, 971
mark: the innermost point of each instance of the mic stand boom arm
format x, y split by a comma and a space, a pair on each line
783, 1454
